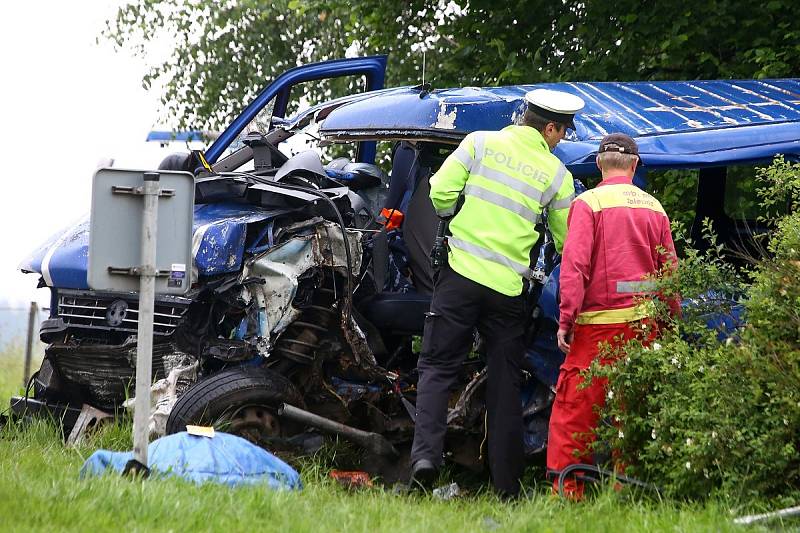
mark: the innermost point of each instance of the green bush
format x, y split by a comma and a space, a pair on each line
703, 414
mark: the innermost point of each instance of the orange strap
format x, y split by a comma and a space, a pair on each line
392, 218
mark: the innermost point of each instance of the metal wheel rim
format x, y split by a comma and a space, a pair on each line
256, 423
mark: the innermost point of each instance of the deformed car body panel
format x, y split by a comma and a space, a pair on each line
219, 232
280, 268
100, 371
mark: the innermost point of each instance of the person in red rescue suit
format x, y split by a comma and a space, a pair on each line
617, 236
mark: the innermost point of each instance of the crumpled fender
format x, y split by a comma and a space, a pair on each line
219, 232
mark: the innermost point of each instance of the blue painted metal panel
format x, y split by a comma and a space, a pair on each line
64, 258
446, 112
677, 124
33, 262
220, 231
636, 108
373, 67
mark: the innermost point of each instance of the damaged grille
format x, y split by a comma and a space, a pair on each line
118, 312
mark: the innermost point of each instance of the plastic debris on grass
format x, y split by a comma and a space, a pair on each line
352, 480
447, 492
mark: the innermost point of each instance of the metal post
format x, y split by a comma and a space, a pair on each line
32, 316
144, 349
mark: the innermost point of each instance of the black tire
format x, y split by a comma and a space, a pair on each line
218, 399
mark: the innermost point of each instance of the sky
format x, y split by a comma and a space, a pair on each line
67, 103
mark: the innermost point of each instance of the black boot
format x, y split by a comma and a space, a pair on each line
423, 473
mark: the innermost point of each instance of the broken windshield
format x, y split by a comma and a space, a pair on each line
261, 124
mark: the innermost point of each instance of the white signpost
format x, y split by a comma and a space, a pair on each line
141, 227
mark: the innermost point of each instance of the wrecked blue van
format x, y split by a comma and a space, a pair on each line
311, 262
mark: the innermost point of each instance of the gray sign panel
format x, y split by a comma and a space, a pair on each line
115, 238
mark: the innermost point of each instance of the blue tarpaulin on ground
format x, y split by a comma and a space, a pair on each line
223, 458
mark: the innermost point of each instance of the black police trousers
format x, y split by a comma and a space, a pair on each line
458, 306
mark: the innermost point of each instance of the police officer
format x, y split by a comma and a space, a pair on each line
506, 179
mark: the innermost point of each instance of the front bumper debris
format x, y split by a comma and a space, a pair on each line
28, 409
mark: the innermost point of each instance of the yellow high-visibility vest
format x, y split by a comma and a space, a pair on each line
507, 178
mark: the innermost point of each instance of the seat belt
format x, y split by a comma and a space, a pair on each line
380, 259
380, 242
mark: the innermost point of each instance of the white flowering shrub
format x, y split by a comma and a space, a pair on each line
701, 414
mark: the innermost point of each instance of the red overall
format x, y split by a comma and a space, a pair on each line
617, 236
576, 410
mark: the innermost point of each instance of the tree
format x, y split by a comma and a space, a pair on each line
225, 51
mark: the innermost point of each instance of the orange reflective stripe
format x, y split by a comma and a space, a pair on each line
617, 316
620, 195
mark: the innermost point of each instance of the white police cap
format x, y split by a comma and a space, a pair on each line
557, 106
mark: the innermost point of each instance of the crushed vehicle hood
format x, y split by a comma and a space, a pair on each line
218, 245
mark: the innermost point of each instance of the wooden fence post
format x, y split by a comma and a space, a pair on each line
32, 316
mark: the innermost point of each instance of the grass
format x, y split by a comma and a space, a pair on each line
11, 370
40, 491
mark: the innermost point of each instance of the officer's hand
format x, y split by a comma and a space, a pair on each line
564, 339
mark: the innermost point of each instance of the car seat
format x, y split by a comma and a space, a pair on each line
391, 310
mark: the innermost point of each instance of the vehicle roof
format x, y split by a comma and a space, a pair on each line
676, 123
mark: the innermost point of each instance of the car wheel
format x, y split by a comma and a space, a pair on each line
241, 401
